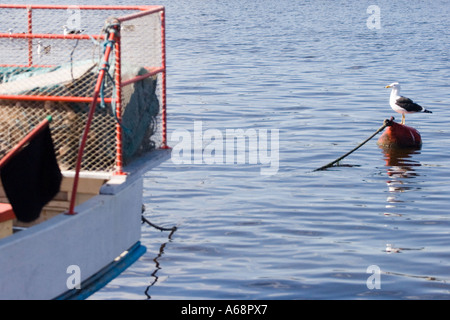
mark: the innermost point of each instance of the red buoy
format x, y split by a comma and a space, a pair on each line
398, 135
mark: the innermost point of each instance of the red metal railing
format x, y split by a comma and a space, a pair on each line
118, 81
164, 97
114, 37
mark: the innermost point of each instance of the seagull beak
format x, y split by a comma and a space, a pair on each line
387, 86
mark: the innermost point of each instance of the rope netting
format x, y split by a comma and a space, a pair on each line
49, 68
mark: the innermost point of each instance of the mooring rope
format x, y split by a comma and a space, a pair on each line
107, 43
71, 59
158, 227
386, 123
106, 67
173, 229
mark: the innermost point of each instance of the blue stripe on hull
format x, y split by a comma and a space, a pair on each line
105, 275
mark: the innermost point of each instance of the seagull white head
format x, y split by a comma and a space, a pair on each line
394, 85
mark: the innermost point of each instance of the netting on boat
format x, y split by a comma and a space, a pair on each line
45, 70
139, 123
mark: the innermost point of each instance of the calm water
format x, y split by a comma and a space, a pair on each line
316, 72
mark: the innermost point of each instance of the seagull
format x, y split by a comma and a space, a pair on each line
402, 104
43, 49
71, 31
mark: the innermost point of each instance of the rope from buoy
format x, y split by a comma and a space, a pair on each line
173, 229
157, 227
386, 123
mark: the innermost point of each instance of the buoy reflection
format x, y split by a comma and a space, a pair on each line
401, 164
401, 167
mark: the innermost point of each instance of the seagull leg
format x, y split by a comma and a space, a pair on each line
403, 118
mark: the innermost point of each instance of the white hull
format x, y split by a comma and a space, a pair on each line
34, 262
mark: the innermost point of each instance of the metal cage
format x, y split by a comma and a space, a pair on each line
52, 58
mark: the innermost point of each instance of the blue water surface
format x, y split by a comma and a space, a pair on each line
316, 72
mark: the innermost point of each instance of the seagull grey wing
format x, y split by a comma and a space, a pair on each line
408, 104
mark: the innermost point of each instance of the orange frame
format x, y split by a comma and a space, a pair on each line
142, 11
